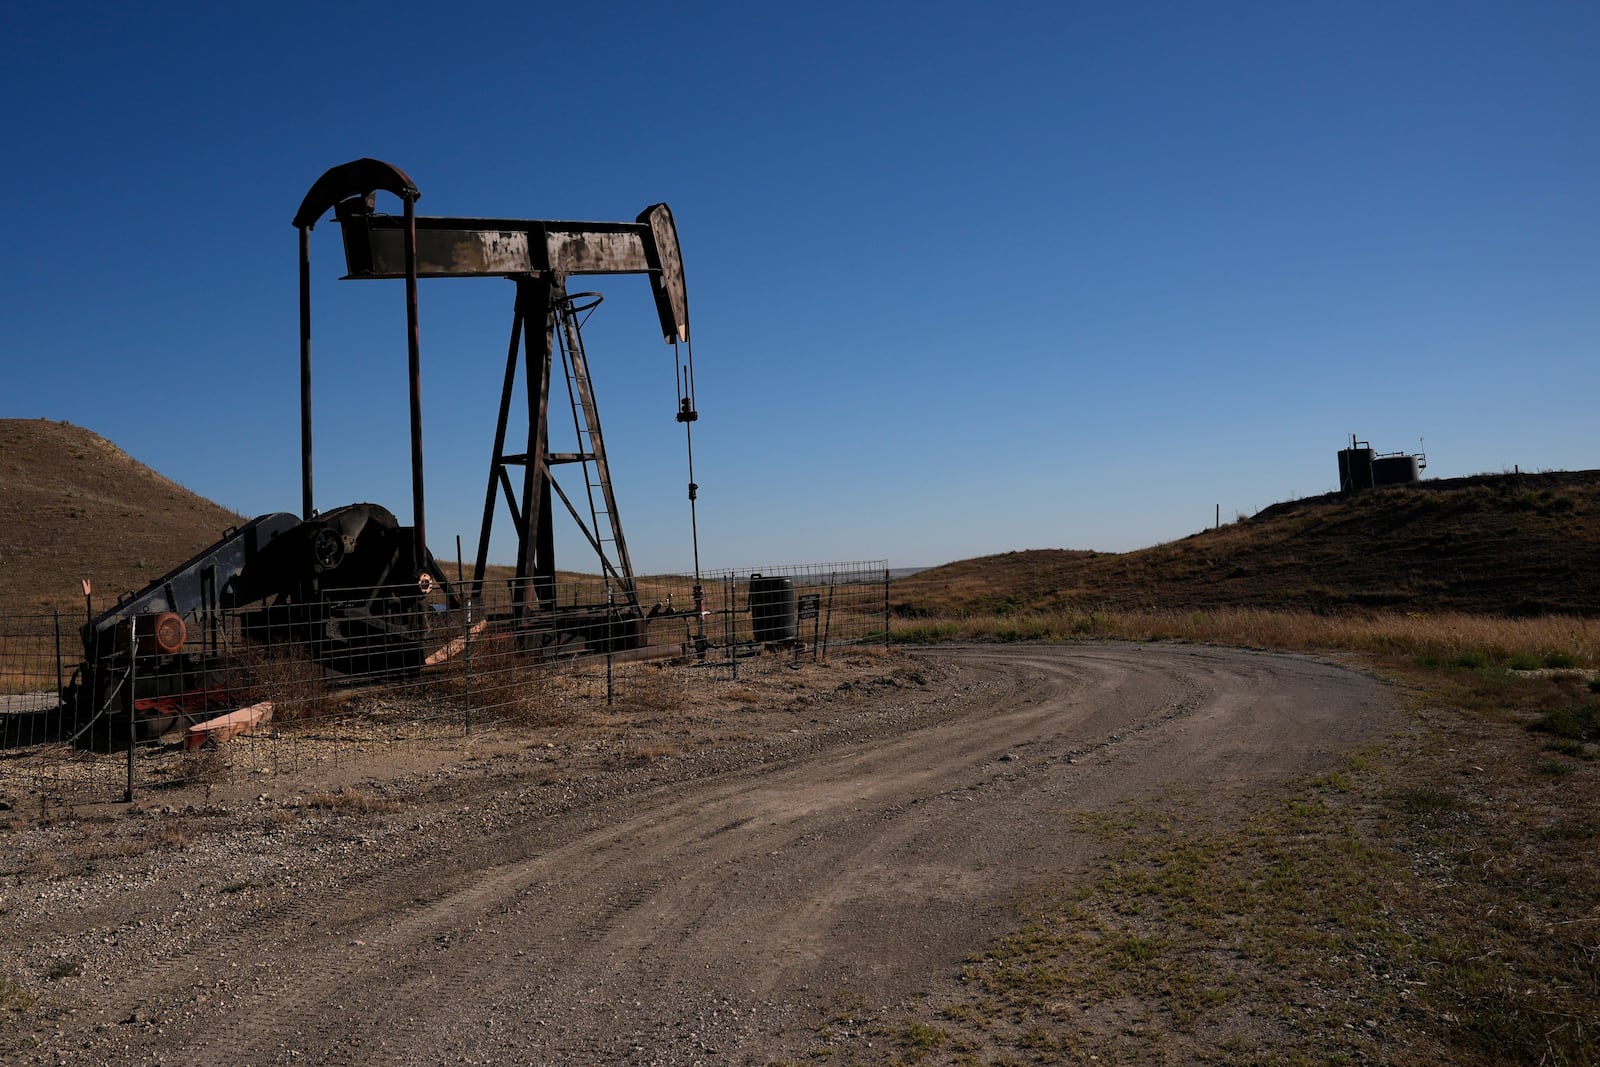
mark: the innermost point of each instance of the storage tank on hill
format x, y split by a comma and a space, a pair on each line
1397, 469
1362, 468
1355, 466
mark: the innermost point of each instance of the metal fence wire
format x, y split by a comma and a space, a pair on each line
248, 692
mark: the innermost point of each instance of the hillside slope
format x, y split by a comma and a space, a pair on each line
74, 506
1496, 544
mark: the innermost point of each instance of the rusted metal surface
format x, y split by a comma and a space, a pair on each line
488, 248
672, 298
466, 248
358, 178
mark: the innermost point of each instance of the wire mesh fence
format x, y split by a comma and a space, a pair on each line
229, 693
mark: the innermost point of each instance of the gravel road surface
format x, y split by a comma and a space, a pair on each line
710, 907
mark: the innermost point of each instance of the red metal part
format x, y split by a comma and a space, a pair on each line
186, 703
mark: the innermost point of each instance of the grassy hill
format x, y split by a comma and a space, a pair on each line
1491, 544
73, 505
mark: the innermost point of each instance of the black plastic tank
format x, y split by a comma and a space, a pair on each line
1355, 469
772, 608
1395, 470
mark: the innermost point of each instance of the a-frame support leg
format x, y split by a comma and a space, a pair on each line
534, 325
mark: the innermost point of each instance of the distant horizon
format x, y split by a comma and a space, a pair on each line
895, 571
713, 569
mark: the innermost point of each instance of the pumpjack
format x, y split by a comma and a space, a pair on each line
351, 585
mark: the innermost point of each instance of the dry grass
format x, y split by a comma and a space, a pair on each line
1442, 638
507, 687
650, 687
1521, 545
28, 661
204, 765
649, 752
79, 508
85, 850
296, 685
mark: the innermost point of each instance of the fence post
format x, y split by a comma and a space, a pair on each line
48, 726
833, 579
133, 678
729, 626
886, 606
466, 652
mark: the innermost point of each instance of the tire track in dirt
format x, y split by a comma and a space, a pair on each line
714, 919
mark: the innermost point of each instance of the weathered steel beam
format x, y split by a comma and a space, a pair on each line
478, 248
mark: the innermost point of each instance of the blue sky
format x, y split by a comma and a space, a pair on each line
962, 279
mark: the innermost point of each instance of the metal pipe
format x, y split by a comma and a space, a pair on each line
414, 361
305, 373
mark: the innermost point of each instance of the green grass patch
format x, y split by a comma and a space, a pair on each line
921, 1038
1571, 723
1425, 800
15, 997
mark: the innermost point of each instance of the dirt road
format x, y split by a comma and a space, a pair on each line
709, 909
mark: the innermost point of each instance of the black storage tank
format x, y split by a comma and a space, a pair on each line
1399, 469
1355, 469
772, 608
